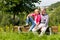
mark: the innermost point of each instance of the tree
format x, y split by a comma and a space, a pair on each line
16, 6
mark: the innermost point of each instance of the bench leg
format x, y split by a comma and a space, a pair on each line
48, 31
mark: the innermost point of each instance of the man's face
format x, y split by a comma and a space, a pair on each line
36, 11
43, 12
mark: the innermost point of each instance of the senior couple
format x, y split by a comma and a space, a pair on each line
39, 20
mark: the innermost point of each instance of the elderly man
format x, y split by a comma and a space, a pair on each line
44, 23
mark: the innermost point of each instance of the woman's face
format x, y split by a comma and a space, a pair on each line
36, 11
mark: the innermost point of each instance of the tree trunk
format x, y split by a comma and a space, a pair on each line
14, 16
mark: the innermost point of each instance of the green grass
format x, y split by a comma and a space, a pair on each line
26, 36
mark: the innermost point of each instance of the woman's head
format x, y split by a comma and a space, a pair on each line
36, 11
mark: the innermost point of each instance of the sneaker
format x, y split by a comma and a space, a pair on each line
26, 26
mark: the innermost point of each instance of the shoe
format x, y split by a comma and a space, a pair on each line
26, 26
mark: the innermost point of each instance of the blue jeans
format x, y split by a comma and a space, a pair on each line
30, 19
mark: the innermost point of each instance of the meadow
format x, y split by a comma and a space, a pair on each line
27, 36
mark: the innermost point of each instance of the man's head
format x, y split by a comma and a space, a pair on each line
43, 11
36, 11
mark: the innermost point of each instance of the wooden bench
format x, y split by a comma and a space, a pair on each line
50, 30
54, 29
17, 28
20, 28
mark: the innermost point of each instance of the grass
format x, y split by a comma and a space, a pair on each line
26, 36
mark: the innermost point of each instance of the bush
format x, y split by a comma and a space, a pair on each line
55, 17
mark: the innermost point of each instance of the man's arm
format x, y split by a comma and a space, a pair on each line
47, 19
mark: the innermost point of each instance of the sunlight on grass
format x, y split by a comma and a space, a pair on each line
26, 36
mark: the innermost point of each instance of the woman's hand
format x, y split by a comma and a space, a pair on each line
37, 24
29, 15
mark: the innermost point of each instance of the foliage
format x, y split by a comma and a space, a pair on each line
17, 5
19, 9
26, 36
53, 6
58, 27
8, 34
7, 19
12, 8
54, 14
